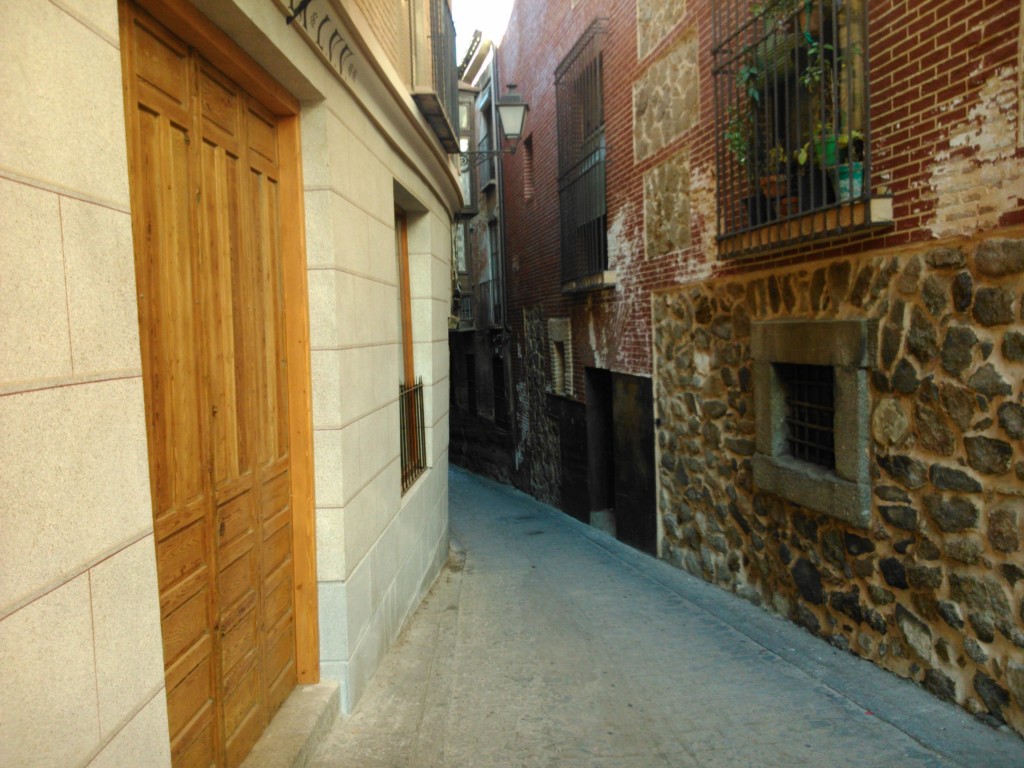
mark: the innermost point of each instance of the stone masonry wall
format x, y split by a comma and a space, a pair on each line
933, 590
538, 438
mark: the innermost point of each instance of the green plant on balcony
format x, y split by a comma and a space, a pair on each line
741, 118
775, 181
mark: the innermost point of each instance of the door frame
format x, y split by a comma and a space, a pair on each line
185, 21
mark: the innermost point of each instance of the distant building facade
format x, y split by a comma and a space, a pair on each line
226, 253
807, 243
479, 339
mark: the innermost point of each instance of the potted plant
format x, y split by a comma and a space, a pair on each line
743, 135
849, 172
774, 179
818, 78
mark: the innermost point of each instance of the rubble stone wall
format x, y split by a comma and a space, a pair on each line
933, 589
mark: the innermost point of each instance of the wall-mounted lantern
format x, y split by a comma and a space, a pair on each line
511, 119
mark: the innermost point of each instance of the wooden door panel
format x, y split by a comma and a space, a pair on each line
280, 665
263, 134
236, 581
226, 327
220, 103
206, 217
239, 744
241, 704
188, 621
171, 342
167, 299
190, 699
200, 751
271, 388
183, 538
277, 551
277, 603
160, 63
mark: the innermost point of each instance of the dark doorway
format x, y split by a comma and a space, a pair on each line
633, 430
600, 449
620, 425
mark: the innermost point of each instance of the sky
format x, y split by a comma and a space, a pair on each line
489, 16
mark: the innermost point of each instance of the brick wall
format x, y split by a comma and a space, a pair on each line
944, 106
389, 21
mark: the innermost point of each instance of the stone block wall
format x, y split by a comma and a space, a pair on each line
933, 588
80, 646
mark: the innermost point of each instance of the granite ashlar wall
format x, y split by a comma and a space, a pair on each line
933, 588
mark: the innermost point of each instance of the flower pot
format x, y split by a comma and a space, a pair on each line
774, 186
826, 150
787, 206
850, 180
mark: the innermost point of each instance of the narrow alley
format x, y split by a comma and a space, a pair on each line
548, 643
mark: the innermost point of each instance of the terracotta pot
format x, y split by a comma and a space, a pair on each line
774, 186
787, 206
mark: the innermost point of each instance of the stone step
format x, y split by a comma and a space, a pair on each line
295, 733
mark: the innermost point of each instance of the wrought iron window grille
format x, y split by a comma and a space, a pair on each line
793, 128
412, 432
810, 412
581, 157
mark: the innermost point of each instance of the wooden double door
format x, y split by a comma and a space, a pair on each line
204, 171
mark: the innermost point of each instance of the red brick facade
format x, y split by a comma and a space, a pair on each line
938, 73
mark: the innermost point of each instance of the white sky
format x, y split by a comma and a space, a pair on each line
489, 16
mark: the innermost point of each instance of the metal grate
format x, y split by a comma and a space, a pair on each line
581, 156
793, 135
413, 433
810, 412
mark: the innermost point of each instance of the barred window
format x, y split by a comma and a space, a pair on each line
581, 157
809, 392
793, 138
811, 413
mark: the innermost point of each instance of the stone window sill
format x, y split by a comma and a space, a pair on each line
595, 282
815, 488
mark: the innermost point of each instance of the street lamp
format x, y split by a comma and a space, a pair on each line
511, 117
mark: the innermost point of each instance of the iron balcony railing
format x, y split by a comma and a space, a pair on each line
412, 433
438, 98
793, 132
442, 45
